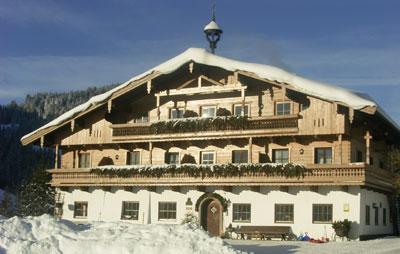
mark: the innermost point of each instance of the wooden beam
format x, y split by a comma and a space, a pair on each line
158, 106
56, 156
151, 153
191, 67
109, 106
351, 115
148, 86
72, 125
185, 84
202, 90
42, 141
199, 81
368, 138
340, 148
250, 150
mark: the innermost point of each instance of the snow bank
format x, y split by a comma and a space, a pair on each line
201, 56
46, 235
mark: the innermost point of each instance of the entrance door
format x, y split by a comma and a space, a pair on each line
214, 218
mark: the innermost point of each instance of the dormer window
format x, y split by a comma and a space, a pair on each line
283, 108
177, 113
208, 111
238, 110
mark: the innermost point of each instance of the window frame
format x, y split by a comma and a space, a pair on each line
142, 118
280, 149
384, 217
237, 105
88, 161
282, 221
207, 152
128, 157
317, 220
168, 163
316, 161
124, 216
283, 111
208, 107
84, 211
376, 215
246, 213
171, 110
169, 212
240, 150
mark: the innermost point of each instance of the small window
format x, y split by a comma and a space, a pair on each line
381, 165
166, 211
84, 160
359, 156
176, 113
323, 155
376, 216
172, 158
208, 111
238, 110
284, 213
130, 210
241, 213
207, 157
384, 217
280, 155
133, 158
80, 209
322, 213
283, 108
240, 156
367, 215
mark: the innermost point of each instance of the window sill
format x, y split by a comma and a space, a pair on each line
284, 222
322, 222
241, 221
167, 220
80, 217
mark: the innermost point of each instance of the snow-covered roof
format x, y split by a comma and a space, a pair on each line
267, 72
212, 26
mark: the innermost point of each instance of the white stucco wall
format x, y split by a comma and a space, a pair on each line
107, 205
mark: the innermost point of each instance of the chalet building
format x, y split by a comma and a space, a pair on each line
229, 142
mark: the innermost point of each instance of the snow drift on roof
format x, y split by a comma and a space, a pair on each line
201, 56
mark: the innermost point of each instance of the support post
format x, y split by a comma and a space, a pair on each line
251, 150
41, 141
72, 125
367, 138
148, 86
109, 106
151, 153
158, 106
56, 156
243, 100
340, 148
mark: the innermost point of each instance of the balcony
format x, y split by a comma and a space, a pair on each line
320, 175
206, 127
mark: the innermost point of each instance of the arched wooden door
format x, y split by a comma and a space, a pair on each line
214, 218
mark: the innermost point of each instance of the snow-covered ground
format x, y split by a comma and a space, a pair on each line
46, 235
389, 245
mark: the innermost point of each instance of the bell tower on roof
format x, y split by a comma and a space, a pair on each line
213, 31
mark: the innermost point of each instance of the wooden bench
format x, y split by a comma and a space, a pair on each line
264, 232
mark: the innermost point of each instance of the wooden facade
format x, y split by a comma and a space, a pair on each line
278, 117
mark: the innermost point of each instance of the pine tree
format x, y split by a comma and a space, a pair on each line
36, 196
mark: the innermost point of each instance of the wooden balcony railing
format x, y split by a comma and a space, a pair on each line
334, 175
281, 122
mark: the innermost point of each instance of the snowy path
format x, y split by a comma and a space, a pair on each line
381, 246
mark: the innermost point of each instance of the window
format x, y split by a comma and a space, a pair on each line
207, 157
238, 110
376, 216
283, 108
322, 213
80, 209
280, 155
172, 158
323, 155
176, 113
84, 160
208, 111
241, 213
240, 156
284, 213
166, 211
359, 156
367, 215
133, 158
130, 210
142, 118
384, 217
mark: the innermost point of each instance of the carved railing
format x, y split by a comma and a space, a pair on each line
335, 175
281, 122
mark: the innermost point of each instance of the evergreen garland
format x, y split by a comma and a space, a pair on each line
200, 124
288, 170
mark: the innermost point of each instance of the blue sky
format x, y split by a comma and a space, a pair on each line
70, 45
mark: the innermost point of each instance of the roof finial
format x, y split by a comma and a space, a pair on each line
212, 31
